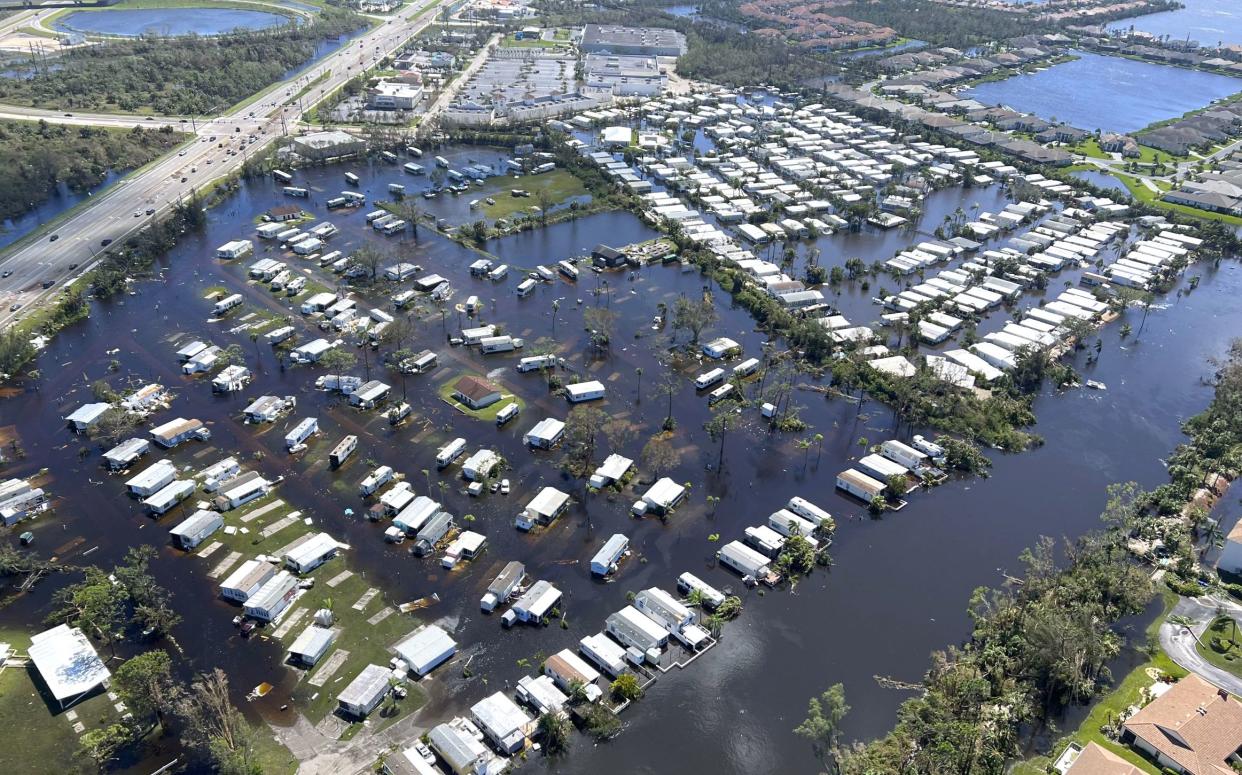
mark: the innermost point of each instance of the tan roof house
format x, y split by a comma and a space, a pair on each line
1098, 760
1194, 728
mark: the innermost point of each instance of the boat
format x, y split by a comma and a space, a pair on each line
1096, 385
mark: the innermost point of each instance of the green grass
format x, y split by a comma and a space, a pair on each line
488, 413
1089, 147
1227, 630
1144, 194
559, 185
1126, 693
365, 642
511, 41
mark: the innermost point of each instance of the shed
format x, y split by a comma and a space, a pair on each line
426, 649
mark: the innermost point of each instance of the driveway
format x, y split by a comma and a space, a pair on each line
1178, 641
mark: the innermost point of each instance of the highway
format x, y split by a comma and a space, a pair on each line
57, 253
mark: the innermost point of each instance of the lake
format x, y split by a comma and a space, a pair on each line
168, 21
1107, 93
899, 584
1207, 21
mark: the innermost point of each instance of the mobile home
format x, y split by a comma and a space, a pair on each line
604, 563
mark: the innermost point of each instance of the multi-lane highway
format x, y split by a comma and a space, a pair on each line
60, 251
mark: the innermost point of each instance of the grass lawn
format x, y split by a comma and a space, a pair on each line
1126, 693
1144, 194
511, 41
365, 641
1223, 633
559, 185
1090, 147
487, 413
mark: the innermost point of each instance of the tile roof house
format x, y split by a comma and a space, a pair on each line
476, 392
1097, 760
1194, 728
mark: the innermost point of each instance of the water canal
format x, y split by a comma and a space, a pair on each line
899, 585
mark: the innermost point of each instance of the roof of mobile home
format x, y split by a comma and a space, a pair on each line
67, 662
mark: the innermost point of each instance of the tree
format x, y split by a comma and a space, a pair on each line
102, 745
338, 360
822, 726
599, 321
658, 455
694, 316
669, 386
370, 257
797, 557
626, 688
145, 683
726, 417
581, 429
94, 604
554, 729
215, 727
544, 200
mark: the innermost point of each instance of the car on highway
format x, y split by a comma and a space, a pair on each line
72, 267
53, 238
6, 273
150, 211
15, 308
103, 243
183, 179
137, 213
181, 154
48, 284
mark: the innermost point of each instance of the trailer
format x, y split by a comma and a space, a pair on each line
526, 288
227, 303
569, 270
341, 452
296, 438
450, 452
707, 379
604, 563
282, 176
580, 392
413, 169
295, 191
351, 178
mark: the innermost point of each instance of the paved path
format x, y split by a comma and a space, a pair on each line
1178, 641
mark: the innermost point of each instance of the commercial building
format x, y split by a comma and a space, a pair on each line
394, 95
635, 41
332, 144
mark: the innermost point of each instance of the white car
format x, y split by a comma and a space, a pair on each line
504, 486
425, 752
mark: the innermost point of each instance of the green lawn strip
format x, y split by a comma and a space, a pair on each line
271, 757
1089, 147
511, 41
366, 643
559, 185
1126, 693
1144, 194
488, 413
1226, 632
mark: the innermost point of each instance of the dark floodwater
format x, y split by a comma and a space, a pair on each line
168, 21
1207, 21
1113, 94
897, 591
16, 228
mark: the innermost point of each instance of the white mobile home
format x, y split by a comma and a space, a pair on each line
543, 509
306, 428
503, 586
568, 670
450, 452
663, 496
613, 469
584, 391
365, 692
859, 485
479, 465
634, 629
152, 479
273, 597
426, 649
688, 582
313, 550
537, 603
126, 453
247, 579
312, 644
605, 560
810, 512
604, 652
168, 496
744, 560
503, 722
546, 433
194, 530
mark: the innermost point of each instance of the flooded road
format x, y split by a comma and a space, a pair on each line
899, 585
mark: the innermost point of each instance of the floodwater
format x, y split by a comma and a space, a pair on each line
1112, 94
168, 21
62, 199
899, 585
1207, 21
1104, 180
